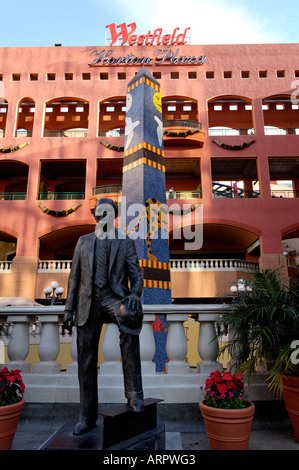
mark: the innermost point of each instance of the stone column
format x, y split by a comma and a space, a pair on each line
49, 346
207, 348
176, 346
19, 344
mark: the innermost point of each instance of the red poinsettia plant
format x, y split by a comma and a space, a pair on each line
11, 386
225, 390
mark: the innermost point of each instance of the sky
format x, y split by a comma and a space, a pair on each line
33, 23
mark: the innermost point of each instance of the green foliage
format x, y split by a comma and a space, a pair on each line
264, 323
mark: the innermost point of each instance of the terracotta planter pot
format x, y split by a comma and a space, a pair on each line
9, 418
228, 429
290, 391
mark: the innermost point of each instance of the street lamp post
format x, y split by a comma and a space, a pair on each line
53, 292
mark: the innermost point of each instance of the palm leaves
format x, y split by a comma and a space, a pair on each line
263, 323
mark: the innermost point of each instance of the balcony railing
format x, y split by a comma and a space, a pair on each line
219, 264
182, 123
111, 188
61, 196
13, 196
186, 265
185, 194
5, 266
281, 131
179, 383
69, 133
112, 132
285, 194
224, 191
228, 132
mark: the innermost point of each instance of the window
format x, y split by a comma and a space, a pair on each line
51, 76
227, 74
86, 76
248, 107
104, 76
68, 76
265, 107
279, 107
64, 109
217, 107
295, 106
296, 73
174, 75
110, 109
79, 109
192, 75
157, 75
121, 76
233, 107
280, 73
16, 77
1, 77
263, 73
210, 75
33, 77
245, 74
187, 107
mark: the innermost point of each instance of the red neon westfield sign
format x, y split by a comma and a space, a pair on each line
151, 38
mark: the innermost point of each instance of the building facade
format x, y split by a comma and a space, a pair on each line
231, 141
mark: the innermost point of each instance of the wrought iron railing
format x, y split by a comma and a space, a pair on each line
61, 196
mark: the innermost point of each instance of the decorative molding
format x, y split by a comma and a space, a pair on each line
233, 147
59, 213
14, 149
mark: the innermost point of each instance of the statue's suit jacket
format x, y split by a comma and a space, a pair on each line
123, 266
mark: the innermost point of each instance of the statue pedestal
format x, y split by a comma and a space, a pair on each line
117, 428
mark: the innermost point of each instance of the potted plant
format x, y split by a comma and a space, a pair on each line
226, 411
11, 405
264, 328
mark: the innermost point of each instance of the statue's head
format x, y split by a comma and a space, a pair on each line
105, 212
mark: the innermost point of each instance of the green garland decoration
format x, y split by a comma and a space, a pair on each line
112, 147
233, 147
59, 213
180, 134
14, 149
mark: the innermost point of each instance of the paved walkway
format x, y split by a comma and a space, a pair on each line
184, 426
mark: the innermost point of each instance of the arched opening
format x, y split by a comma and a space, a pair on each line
112, 117
60, 244
25, 118
280, 115
230, 115
206, 273
66, 117
3, 116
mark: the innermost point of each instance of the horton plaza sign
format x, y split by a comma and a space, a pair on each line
162, 56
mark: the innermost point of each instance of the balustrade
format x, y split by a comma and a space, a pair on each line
46, 379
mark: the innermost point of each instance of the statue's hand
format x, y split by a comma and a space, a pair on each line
133, 301
68, 322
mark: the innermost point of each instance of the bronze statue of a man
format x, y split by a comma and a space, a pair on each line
103, 264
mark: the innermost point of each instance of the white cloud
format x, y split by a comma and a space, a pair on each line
220, 22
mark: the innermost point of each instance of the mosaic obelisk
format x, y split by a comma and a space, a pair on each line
144, 186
